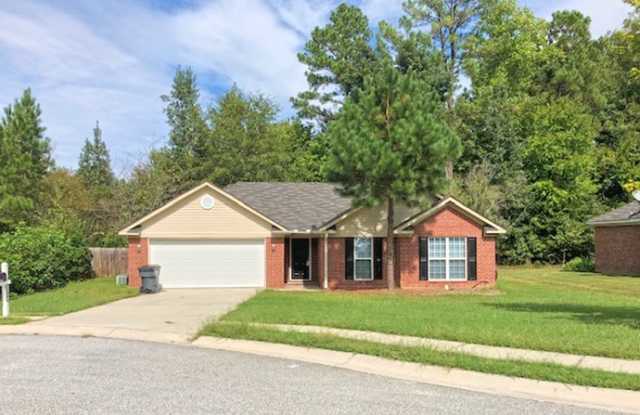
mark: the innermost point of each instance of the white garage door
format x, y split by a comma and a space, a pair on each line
222, 263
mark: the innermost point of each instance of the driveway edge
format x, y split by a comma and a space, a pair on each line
590, 397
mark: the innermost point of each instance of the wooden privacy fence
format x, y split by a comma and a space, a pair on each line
108, 262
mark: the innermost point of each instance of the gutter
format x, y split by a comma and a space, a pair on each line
628, 222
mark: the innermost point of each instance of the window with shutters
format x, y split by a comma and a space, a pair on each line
448, 259
363, 258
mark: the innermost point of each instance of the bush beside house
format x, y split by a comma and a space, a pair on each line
580, 265
41, 258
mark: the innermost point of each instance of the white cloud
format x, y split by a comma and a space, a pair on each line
304, 15
111, 60
606, 15
245, 41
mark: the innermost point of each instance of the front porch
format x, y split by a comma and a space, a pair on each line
304, 262
297, 262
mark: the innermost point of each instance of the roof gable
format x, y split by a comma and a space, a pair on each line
491, 227
135, 228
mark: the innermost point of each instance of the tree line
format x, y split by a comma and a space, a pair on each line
531, 122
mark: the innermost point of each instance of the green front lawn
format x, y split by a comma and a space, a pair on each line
73, 297
536, 308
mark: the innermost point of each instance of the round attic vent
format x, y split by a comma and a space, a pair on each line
207, 202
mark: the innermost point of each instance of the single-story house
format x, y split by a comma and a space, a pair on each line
279, 235
617, 240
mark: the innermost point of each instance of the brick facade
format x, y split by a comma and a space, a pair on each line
275, 258
138, 256
337, 269
447, 223
618, 250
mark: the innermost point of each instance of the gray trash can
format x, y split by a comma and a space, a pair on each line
149, 274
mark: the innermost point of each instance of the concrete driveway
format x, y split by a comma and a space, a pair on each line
172, 315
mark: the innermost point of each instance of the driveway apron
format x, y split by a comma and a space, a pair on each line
171, 314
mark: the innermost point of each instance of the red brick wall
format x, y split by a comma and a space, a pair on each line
138, 256
447, 223
275, 257
618, 250
336, 269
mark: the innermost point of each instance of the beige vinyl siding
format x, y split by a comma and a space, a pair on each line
188, 219
372, 221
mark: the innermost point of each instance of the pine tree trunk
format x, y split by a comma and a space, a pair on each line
449, 166
391, 246
449, 170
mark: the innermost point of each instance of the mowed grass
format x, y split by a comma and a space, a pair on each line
424, 355
540, 308
72, 297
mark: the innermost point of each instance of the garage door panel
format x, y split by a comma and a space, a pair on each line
206, 263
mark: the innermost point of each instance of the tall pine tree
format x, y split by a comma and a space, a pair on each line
389, 145
95, 163
449, 23
188, 134
184, 161
97, 176
338, 57
25, 156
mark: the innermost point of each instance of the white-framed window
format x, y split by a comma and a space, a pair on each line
448, 259
363, 258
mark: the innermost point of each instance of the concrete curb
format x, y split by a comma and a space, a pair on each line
492, 352
590, 397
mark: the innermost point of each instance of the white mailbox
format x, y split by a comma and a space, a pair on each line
4, 286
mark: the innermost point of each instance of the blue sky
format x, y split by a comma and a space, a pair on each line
111, 60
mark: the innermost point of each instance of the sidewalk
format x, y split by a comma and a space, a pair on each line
492, 352
597, 398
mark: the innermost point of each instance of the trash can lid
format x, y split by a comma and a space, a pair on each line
149, 268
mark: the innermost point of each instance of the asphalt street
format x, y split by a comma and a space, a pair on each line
73, 375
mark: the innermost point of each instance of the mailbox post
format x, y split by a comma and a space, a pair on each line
4, 286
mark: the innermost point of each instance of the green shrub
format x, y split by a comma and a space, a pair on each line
108, 240
580, 265
41, 258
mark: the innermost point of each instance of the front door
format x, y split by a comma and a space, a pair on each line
300, 259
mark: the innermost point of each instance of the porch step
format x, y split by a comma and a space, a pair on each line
302, 285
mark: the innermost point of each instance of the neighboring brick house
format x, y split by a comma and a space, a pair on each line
617, 240
279, 235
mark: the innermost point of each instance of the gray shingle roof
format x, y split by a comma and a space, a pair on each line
627, 213
296, 206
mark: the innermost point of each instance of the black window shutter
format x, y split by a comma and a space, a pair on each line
472, 259
377, 258
348, 258
424, 259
